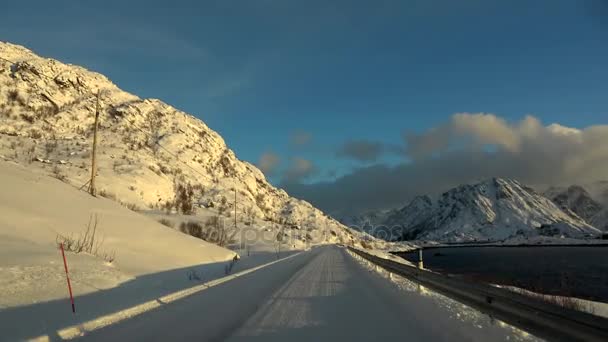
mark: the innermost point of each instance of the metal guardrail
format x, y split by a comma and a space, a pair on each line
540, 318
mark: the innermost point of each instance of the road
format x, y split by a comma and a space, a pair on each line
321, 295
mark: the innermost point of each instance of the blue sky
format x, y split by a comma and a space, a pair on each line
260, 72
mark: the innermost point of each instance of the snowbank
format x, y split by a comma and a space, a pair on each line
35, 209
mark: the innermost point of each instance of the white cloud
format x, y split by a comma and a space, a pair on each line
268, 163
361, 150
299, 169
300, 138
467, 148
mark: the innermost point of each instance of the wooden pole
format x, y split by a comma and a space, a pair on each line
92, 188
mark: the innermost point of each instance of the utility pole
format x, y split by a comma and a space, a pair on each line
235, 229
92, 189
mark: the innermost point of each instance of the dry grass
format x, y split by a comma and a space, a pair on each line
166, 222
561, 301
87, 242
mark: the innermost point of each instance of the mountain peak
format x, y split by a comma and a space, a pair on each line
493, 209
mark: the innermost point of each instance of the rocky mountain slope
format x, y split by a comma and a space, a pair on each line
147, 149
493, 210
578, 202
388, 224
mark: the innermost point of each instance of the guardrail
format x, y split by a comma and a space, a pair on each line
542, 319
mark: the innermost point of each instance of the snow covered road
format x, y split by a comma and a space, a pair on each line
321, 295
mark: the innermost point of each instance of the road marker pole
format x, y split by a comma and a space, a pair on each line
67, 275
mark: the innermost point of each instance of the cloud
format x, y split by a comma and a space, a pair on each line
464, 128
299, 169
268, 163
300, 138
226, 86
468, 148
361, 150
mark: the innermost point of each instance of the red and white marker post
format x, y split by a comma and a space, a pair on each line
67, 275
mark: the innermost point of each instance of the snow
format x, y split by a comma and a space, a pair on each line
35, 209
579, 203
592, 307
151, 260
458, 312
47, 113
490, 211
324, 294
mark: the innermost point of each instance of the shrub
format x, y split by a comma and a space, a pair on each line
184, 201
166, 222
58, 174
131, 206
49, 147
213, 231
192, 228
154, 123
13, 95
35, 134
87, 242
104, 193
168, 206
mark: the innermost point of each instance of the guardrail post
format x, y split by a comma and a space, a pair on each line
420, 261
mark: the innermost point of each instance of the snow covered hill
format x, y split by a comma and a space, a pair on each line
36, 210
578, 202
493, 210
147, 149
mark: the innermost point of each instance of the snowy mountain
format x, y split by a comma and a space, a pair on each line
416, 212
578, 202
367, 221
599, 191
147, 149
493, 210
497, 209
388, 224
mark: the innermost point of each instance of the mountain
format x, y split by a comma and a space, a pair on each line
147, 150
578, 202
497, 209
420, 209
493, 210
599, 191
388, 224
367, 221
